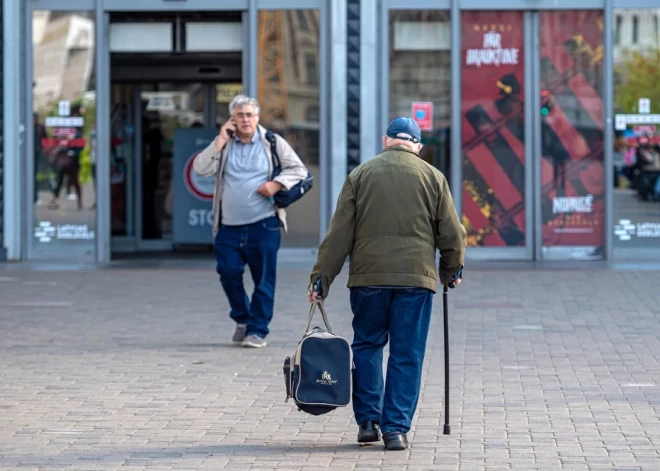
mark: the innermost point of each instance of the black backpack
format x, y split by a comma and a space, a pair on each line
284, 197
318, 377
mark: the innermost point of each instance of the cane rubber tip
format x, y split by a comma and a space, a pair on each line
447, 430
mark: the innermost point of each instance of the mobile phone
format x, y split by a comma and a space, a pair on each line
229, 131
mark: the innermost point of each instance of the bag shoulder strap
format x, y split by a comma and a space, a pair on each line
270, 137
323, 314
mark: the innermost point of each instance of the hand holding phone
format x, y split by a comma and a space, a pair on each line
227, 131
229, 128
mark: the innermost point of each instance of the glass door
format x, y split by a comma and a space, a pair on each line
144, 120
495, 143
532, 134
569, 127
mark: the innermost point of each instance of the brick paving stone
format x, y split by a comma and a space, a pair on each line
132, 368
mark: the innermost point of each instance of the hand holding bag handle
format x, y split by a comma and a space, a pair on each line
323, 313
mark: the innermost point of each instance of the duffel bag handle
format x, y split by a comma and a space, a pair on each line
311, 315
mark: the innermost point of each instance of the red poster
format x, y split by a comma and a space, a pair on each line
572, 172
422, 113
493, 138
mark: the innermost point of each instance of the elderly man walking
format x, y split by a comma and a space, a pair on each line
393, 213
246, 223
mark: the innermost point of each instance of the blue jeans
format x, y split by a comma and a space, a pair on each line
403, 315
256, 245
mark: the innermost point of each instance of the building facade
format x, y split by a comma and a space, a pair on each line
534, 112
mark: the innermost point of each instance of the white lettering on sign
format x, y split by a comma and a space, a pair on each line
200, 217
59, 122
492, 52
46, 231
74, 232
572, 204
648, 229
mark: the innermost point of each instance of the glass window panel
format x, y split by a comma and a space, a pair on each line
420, 71
64, 115
637, 144
288, 92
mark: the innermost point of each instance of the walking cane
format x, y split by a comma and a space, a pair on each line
447, 428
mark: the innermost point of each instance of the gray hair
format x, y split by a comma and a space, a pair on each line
240, 101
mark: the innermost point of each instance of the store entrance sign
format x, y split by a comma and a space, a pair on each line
192, 218
422, 113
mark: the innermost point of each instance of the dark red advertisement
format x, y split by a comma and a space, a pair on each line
572, 173
493, 139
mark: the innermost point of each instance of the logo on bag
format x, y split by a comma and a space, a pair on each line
326, 379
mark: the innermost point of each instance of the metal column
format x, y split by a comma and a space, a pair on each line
337, 126
103, 189
249, 58
456, 175
609, 131
3, 251
13, 129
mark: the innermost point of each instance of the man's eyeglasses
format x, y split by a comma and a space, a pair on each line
245, 115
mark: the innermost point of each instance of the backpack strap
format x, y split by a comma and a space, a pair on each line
270, 137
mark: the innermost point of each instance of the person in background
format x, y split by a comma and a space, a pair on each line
394, 212
246, 224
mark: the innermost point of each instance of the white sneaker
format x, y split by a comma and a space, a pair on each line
254, 341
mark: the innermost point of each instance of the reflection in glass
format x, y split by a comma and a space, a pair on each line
420, 71
64, 133
288, 92
165, 107
636, 145
572, 172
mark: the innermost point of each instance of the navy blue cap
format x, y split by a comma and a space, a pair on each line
404, 128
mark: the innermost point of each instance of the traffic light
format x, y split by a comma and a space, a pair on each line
546, 102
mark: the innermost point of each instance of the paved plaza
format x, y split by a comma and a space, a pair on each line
131, 368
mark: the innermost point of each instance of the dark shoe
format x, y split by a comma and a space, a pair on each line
395, 441
368, 432
239, 333
254, 341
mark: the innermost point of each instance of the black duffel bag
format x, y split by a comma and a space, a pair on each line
318, 377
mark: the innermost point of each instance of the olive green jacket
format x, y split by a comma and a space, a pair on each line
393, 213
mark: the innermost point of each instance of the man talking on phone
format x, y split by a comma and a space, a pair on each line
246, 223
394, 213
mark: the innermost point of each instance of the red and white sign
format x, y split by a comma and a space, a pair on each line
644, 129
64, 132
200, 187
422, 113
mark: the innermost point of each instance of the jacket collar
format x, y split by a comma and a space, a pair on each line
399, 149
